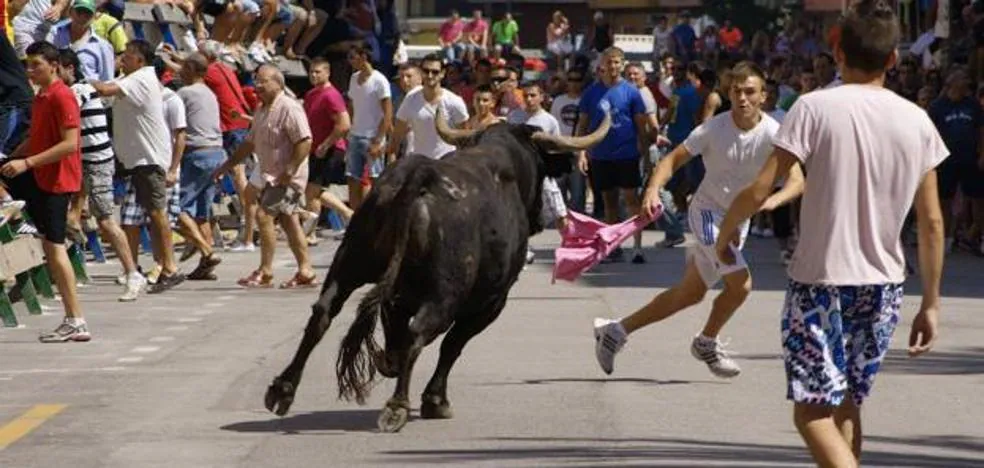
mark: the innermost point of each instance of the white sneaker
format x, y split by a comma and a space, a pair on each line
134, 284
718, 360
241, 247
530, 255
610, 337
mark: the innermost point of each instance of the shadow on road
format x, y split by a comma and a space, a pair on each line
676, 452
360, 420
965, 361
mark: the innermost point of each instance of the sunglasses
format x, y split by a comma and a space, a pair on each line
430, 71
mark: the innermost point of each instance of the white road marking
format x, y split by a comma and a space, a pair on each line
214, 304
161, 339
189, 319
203, 312
61, 371
145, 349
130, 359
176, 328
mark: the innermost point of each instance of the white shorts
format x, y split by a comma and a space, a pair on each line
705, 221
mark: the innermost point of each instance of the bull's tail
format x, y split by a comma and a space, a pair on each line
355, 367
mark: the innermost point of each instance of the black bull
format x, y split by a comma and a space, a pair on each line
444, 241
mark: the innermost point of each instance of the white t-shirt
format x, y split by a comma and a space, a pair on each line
140, 133
661, 41
419, 115
862, 172
648, 100
366, 109
541, 119
174, 111
564, 109
732, 157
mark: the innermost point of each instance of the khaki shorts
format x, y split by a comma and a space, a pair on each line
281, 199
97, 184
150, 182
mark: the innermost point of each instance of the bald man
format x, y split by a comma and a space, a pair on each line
279, 179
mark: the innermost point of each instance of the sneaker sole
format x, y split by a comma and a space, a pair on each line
719, 374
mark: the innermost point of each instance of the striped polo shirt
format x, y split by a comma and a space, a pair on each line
96, 145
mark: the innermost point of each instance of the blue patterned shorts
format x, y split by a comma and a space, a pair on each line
834, 339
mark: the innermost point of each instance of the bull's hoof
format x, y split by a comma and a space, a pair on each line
392, 418
432, 410
279, 396
383, 365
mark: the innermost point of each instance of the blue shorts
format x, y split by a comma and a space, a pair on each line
357, 158
834, 339
197, 186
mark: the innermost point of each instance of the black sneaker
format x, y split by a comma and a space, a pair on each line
166, 282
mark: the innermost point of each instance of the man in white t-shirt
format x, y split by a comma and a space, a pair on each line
417, 111
868, 153
372, 116
142, 144
564, 108
734, 144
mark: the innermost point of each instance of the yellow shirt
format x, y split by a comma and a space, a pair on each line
109, 28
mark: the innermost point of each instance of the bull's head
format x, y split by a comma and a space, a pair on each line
548, 142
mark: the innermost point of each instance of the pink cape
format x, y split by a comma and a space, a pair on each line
587, 241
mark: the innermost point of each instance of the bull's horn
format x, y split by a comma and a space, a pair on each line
566, 143
451, 136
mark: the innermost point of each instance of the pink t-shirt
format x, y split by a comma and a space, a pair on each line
476, 28
451, 29
322, 106
275, 131
862, 171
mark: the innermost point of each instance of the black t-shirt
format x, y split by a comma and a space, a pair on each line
959, 124
14, 87
724, 107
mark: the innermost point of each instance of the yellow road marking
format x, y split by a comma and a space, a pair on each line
27, 422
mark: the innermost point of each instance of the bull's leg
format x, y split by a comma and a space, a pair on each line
434, 400
395, 329
428, 324
280, 394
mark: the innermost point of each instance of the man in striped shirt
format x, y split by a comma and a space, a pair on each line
98, 167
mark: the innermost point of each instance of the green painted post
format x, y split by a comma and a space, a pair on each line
7, 309
77, 255
42, 281
28, 292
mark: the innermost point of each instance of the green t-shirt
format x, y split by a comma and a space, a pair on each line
788, 101
505, 33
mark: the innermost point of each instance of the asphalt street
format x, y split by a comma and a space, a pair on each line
177, 380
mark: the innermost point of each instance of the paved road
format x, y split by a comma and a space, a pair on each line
177, 381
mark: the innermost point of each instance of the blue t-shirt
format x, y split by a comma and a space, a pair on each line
624, 102
684, 103
685, 35
959, 124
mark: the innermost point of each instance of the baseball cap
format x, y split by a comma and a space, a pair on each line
88, 5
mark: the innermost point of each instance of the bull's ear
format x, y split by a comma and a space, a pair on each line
557, 164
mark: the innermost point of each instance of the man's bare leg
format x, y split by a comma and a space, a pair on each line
816, 425
737, 287
162, 241
118, 240
298, 243
688, 292
268, 241
64, 276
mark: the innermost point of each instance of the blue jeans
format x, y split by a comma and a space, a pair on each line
357, 158
14, 122
197, 186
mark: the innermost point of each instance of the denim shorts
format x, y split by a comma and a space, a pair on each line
357, 158
834, 339
197, 186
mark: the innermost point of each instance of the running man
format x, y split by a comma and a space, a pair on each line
863, 172
734, 144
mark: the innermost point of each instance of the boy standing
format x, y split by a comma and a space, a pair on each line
864, 170
45, 171
734, 144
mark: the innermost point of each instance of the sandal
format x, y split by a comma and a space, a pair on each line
203, 272
298, 282
256, 279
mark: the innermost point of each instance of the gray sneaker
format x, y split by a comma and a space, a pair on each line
134, 284
66, 332
718, 359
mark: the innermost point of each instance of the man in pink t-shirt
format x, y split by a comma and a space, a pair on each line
863, 174
450, 36
330, 123
476, 37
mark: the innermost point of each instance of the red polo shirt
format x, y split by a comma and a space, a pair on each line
225, 84
55, 108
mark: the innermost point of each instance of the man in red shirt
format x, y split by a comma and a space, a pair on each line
234, 121
45, 171
730, 37
330, 123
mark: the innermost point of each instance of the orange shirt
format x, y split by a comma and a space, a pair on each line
730, 38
